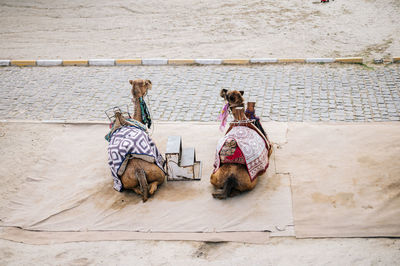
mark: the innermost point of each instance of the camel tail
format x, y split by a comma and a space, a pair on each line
230, 183
144, 187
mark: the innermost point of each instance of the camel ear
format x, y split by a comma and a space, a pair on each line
241, 92
148, 84
131, 82
223, 93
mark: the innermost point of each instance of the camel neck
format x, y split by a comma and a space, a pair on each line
238, 114
137, 115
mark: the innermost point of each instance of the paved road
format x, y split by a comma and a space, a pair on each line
187, 93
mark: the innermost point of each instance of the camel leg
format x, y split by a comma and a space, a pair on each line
153, 187
144, 188
234, 192
137, 190
221, 193
226, 190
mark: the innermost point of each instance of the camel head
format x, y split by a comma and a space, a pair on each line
140, 87
234, 98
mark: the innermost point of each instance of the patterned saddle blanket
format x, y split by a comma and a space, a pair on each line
129, 142
251, 146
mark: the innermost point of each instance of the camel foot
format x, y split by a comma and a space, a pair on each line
153, 187
229, 185
220, 194
144, 188
137, 191
234, 192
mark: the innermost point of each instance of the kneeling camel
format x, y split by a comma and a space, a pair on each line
242, 155
134, 159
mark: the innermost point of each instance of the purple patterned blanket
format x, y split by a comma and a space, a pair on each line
130, 142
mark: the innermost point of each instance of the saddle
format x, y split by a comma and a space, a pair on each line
251, 124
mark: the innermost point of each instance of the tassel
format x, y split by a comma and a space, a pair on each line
145, 113
223, 117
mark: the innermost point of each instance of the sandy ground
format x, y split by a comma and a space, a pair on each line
280, 251
67, 29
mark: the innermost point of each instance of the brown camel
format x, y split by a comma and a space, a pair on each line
140, 175
233, 178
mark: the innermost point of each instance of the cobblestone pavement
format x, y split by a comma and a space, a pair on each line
188, 93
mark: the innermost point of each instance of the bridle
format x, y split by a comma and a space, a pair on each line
235, 106
145, 102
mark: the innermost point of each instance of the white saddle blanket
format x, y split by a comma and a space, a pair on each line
253, 147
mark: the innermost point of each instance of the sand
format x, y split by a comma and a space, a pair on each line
198, 29
280, 251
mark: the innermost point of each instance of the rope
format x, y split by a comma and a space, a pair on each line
242, 121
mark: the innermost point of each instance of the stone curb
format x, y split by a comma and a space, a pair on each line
320, 60
154, 62
128, 62
291, 60
236, 61
49, 62
263, 60
5, 62
208, 61
163, 61
75, 62
354, 60
101, 62
22, 62
181, 62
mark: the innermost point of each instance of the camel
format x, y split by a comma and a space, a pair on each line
231, 174
143, 174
